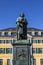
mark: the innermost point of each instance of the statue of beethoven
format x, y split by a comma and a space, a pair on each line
21, 27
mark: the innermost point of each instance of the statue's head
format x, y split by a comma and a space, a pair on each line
22, 15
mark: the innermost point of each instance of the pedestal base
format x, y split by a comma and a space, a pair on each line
21, 53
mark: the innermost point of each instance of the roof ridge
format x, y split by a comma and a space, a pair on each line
14, 28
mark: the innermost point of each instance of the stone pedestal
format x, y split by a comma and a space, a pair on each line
21, 52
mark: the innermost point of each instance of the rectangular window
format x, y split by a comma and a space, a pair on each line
39, 41
8, 61
38, 50
1, 62
11, 50
8, 41
34, 41
41, 61
41, 33
36, 33
13, 41
33, 50
8, 50
2, 41
12, 33
34, 61
42, 41
2, 50
42, 50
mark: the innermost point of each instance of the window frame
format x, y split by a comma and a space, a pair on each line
2, 62
2, 50
8, 50
34, 61
8, 60
41, 61
34, 50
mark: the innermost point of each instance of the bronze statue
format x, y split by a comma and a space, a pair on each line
21, 27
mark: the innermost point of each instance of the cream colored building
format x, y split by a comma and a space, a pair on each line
8, 36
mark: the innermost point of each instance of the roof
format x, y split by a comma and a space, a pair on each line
9, 29
28, 29
13, 32
34, 29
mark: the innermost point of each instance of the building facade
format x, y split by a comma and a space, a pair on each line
8, 36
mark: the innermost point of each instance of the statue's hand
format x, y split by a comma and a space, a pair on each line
20, 25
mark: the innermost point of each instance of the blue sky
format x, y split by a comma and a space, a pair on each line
10, 10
